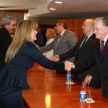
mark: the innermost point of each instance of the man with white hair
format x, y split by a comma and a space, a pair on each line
8, 26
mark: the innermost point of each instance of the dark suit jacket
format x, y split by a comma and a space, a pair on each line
14, 73
80, 53
5, 41
44, 39
101, 63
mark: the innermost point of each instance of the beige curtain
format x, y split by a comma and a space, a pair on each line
17, 16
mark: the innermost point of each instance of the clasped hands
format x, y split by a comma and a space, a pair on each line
68, 65
55, 58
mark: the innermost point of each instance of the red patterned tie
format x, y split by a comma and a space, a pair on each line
102, 46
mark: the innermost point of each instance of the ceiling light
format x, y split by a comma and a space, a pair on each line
58, 2
31, 0
52, 9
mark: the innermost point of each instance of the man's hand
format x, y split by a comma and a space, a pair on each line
55, 58
69, 65
87, 79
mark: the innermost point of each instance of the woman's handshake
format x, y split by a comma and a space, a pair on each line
69, 65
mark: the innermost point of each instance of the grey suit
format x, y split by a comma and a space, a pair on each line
66, 42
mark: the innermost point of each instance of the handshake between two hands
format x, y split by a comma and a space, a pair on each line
55, 58
68, 65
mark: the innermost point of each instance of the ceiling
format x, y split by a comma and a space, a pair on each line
69, 8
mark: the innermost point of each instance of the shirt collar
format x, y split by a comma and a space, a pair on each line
62, 33
105, 39
90, 35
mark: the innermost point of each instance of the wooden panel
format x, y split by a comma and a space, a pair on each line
17, 11
49, 90
75, 25
79, 32
46, 26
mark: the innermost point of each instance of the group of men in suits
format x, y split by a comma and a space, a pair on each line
80, 51
8, 26
98, 54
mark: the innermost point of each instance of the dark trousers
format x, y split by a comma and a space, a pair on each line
11, 97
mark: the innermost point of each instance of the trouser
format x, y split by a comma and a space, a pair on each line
11, 97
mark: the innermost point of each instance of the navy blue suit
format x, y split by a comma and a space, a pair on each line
14, 73
101, 62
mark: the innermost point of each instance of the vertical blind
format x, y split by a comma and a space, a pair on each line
17, 16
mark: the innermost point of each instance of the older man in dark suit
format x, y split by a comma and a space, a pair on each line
98, 54
8, 25
80, 51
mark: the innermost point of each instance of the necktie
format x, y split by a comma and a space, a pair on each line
58, 41
85, 39
102, 46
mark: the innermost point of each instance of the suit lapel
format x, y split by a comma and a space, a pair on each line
88, 41
98, 49
56, 41
80, 41
64, 34
105, 49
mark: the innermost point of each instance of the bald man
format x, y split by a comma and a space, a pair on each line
80, 51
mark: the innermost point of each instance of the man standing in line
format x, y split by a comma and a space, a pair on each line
41, 38
63, 42
80, 51
98, 54
8, 26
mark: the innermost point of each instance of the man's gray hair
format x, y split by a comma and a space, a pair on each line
7, 20
103, 19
